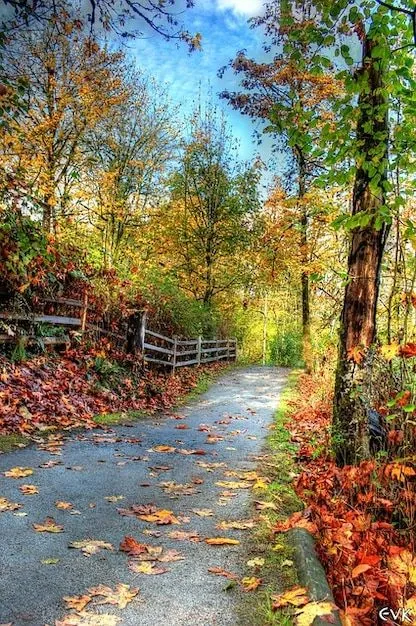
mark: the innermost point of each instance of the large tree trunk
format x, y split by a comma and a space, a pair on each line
358, 322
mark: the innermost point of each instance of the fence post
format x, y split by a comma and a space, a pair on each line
235, 348
198, 355
136, 328
84, 311
228, 349
175, 345
142, 337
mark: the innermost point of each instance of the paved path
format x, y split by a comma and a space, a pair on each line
238, 408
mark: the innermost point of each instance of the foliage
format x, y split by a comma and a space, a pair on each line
362, 515
286, 349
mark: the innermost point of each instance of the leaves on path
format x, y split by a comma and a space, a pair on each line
219, 571
7, 505
120, 596
29, 490
163, 448
177, 489
184, 535
203, 512
84, 618
64, 506
91, 546
221, 541
296, 596
235, 525
19, 472
250, 583
211, 467
256, 562
227, 484
132, 546
48, 526
77, 602
113, 498
149, 513
146, 567
306, 615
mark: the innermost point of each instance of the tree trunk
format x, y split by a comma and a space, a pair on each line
358, 321
306, 314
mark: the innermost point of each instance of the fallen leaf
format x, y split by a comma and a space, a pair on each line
18, 472
296, 596
360, 569
306, 615
6, 505
132, 546
256, 562
144, 567
203, 512
219, 571
50, 561
221, 541
89, 619
120, 596
169, 556
64, 506
163, 448
29, 490
236, 525
250, 583
182, 535
233, 485
77, 602
113, 498
91, 546
48, 526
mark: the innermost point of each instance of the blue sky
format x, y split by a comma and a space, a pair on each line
224, 29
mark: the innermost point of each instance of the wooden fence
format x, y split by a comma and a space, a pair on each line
153, 347
175, 352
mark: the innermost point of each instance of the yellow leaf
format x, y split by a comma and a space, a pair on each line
64, 506
307, 614
6, 505
221, 541
91, 546
203, 512
29, 490
232, 485
296, 596
120, 596
145, 567
389, 351
250, 583
163, 448
19, 472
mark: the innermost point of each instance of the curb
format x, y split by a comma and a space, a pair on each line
311, 573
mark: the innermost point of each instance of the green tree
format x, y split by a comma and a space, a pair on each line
211, 217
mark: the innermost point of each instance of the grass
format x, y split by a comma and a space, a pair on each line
278, 572
123, 417
8, 443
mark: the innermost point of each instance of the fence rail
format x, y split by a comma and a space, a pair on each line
152, 346
176, 352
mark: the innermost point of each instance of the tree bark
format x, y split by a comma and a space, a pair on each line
306, 313
358, 321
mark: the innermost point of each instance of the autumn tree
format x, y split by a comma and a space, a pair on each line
71, 83
127, 153
212, 210
292, 95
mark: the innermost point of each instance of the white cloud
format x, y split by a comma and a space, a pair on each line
242, 7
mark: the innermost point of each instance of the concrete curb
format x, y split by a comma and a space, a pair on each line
310, 571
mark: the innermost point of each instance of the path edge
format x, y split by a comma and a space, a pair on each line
311, 573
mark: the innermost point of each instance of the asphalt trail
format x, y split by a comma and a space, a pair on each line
94, 465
